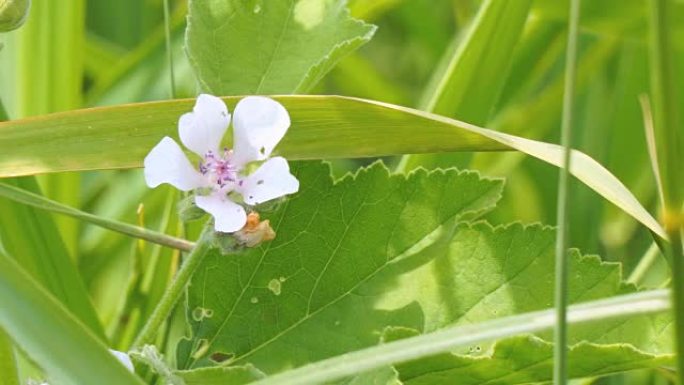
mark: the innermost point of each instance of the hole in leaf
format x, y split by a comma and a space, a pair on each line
220, 357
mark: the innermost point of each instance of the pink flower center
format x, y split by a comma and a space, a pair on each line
219, 168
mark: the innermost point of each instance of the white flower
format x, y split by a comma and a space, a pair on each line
259, 123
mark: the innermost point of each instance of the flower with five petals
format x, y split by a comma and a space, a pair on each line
221, 182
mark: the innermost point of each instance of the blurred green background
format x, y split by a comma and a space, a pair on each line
77, 53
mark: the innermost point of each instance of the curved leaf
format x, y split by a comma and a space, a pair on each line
323, 127
53, 337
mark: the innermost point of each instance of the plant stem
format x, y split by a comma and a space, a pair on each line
3, 112
675, 250
452, 338
644, 265
175, 290
169, 53
560, 359
666, 101
668, 140
30, 199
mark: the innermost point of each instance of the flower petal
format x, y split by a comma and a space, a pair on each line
123, 358
272, 180
259, 123
228, 215
167, 163
202, 129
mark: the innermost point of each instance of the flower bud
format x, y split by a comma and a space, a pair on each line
13, 14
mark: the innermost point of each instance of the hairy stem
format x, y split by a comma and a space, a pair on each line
34, 200
175, 290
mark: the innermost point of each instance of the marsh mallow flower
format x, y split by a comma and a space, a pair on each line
221, 181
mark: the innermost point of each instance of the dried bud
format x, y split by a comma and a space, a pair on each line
13, 14
255, 231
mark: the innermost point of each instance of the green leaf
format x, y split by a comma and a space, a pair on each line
523, 360
30, 237
269, 47
382, 376
8, 364
458, 337
479, 284
306, 295
234, 375
361, 260
121, 136
60, 344
484, 273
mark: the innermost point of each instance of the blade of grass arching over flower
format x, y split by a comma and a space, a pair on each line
452, 338
560, 356
668, 127
469, 81
51, 336
121, 136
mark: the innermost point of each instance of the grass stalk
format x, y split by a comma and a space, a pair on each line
560, 359
169, 52
645, 264
34, 200
668, 141
175, 290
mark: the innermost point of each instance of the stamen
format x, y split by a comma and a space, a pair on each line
219, 169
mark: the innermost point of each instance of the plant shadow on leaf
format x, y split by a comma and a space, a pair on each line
335, 241
373, 252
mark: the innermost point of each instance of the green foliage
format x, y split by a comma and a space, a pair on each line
319, 272
379, 252
13, 13
52, 336
359, 121
234, 375
523, 360
360, 265
485, 273
283, 47
8, 363
39, 249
